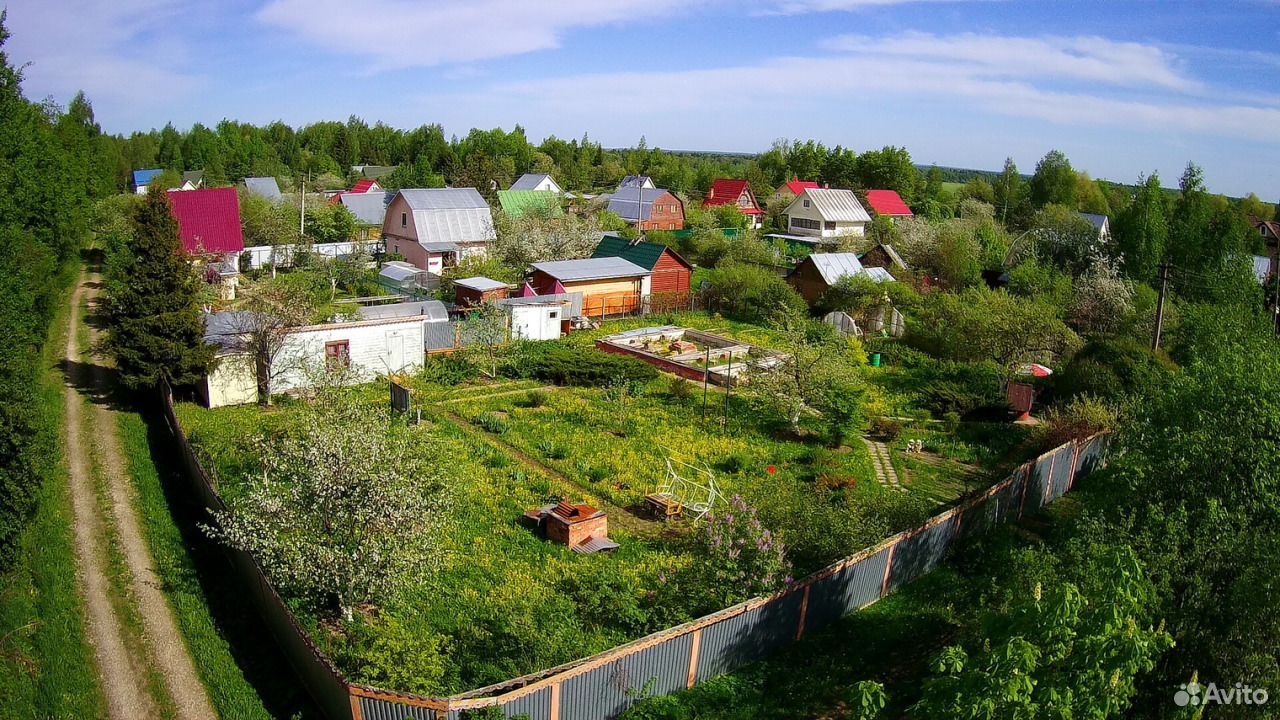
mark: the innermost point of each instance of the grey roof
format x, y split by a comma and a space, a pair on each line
530, 181
434, 310
878, 274
482, 284
266, 187
450, 215
444, 199
627, 200
399, 271
591, 269
634, 181
807, 239
369, 208
440, 247
195, 177
225, 324
835, 266
1262, 267
1095, 219
835, 205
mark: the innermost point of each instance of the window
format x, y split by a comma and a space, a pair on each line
806, 223
553, 314
338, 352
831, 225
806, 202
404, 220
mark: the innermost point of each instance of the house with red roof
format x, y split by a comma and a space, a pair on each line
887, 203
737, 193
208, 220
363, 187
790, 190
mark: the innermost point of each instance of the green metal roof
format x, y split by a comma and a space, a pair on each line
517, 203
645, 254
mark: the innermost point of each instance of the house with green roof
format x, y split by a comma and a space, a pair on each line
671, 273
518, 203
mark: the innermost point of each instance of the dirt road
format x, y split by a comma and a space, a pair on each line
99, 470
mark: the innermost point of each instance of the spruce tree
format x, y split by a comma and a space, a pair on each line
157, 330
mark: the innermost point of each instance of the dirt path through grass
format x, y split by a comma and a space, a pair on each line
93, 441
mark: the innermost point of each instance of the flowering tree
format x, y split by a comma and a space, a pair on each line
344, 511
740, 557
1103, 299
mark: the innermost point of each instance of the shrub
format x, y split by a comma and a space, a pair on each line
385, 653
447, 370
750, 293
1111, 368
536, 398
740, 558
1081, 417
550, 449
885, 428
951, 422
492, 423
680, 389
588, 367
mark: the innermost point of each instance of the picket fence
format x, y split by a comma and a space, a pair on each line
605, 685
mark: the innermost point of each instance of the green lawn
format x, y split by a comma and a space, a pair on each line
46, 666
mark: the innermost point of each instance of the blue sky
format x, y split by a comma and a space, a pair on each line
1122, 88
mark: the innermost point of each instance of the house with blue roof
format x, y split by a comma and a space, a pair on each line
143, 178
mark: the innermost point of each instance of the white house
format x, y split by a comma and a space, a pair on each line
1101, 223
382, 341
531, 181
827, 213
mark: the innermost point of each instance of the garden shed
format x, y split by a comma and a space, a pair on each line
402, 278
815, 274
670, 272
609, 285
478, 290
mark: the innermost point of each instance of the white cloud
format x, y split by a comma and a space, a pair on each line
398, 34
802, 7
118, 52
862, 82
1091, 59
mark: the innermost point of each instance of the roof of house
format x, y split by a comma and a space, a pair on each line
195, 177
624, 202
631, 181
517, 203
365, 186
449, 215
208, 220
834, 267
894, 257
597, 268
643, 254
479, 283
888, 202
266, 187
798, 186
727, 192
144, 177
373, 171
1096, 220
369, 208
1271, 225
434, 310
834, 205
531, 181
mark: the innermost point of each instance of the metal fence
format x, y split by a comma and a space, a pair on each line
605, 685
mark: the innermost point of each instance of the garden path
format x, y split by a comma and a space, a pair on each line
93, 443
885, 474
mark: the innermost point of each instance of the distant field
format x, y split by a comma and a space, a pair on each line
952, 186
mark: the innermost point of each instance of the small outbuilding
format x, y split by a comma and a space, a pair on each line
582, 527
883, 256
670, 273
609, 285
815, 274
479, 290
142, 179
405, 279
264, 187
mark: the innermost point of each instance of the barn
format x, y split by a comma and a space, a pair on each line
815, 274
671, 273
609, 285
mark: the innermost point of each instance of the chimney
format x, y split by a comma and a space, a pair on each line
826, 186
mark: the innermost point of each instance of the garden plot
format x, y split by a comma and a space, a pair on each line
691, 353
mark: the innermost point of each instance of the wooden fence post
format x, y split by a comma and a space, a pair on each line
694, 649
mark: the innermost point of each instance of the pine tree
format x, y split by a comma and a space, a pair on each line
156, 331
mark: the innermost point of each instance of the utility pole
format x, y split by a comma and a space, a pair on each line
1164, 291
1275, 273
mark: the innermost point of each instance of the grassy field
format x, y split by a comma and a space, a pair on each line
46, 667
507, 602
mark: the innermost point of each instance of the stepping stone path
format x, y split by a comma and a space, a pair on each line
885, 474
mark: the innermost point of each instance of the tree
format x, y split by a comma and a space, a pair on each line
266, 313
1064, 238
330, 223
1008, 192
797, 385
156, 330
1059, 652
889, 168
1089, 196
1141, 231
485, 332
345, 510
1054, 181
750, 293
980, 324
958, 261
265, 224
543, 236
1103, 299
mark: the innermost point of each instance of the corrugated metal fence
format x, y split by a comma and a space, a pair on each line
605, 685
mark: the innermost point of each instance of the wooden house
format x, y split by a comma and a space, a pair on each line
609, 285
790, 190
670, 272
739, 194
648, 209
827, 213
815, 274
478, 290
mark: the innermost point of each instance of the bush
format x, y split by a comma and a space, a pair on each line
1081, 417
885, 428
750, 293
492, 423
536, 398
448, 370
1110, 369
587, 367
680, 389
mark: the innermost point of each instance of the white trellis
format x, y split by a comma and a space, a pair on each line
688, 488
